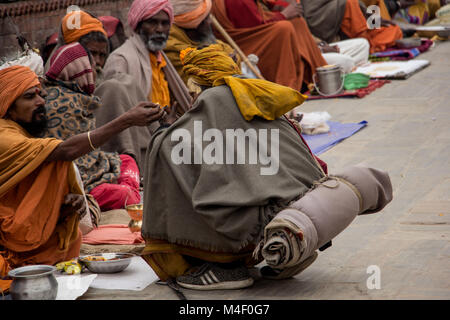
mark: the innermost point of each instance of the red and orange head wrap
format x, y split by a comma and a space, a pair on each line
14, 81
76, 24
190, 13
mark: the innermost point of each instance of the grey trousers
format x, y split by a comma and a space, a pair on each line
322, 213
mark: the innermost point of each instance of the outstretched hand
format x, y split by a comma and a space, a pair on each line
144, 114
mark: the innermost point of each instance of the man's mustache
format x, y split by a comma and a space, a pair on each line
40, 109
158, 35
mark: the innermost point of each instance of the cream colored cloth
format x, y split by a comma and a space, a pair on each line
352, 53
30, 59
183, 6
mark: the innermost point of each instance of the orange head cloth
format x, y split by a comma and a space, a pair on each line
14, 81
76, 24
189, 14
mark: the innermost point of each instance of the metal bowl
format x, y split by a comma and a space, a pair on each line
36, 282
113, 263
408, 42
444, 33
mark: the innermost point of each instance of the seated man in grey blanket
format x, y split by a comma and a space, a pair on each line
232, 183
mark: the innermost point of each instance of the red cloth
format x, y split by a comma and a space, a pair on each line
115, 196
109, 24
247, 14
113, 234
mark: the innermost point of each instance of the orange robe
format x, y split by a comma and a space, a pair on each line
288, 54
31, 194
354, 25
160, 89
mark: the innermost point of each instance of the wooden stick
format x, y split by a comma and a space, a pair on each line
235, 47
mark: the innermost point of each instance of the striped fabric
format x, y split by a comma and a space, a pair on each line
144, 9
209, 278
71, 63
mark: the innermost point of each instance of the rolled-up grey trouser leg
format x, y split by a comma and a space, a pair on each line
324, 212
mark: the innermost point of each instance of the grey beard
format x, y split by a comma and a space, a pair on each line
207, 39
154, 47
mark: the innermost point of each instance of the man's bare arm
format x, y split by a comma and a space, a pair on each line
141, 115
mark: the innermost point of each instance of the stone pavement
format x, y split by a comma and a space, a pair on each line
408, 135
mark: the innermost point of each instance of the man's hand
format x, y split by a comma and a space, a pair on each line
73, 204
171, 116
387, 23
144, 114
292, 11
326, 48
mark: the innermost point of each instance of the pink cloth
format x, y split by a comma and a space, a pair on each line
111, 196
144, 9
113, 234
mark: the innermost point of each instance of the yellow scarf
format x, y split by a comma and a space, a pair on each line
212, 67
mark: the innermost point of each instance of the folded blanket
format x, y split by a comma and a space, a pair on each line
401, 54
113, 234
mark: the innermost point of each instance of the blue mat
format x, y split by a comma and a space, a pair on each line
320, 143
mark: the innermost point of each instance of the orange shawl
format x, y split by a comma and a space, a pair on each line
31, 194
288, 54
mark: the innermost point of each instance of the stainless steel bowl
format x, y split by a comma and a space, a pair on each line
114, 262
36, 282
408, 42
444, 33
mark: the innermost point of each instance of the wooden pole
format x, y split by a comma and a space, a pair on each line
235, 47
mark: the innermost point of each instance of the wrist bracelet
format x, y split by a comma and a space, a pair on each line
90, 142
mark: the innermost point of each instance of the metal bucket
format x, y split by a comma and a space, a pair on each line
330, 80
33, 283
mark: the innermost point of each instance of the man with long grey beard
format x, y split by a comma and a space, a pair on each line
139, 71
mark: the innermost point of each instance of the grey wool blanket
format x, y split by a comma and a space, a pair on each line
209, 204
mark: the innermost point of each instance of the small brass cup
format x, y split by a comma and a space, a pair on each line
135, 211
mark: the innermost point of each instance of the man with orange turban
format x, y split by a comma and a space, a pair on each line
140, 71
41, 194
85, 28
192, 29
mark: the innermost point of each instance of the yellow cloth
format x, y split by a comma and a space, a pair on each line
255, 97
168, 260
31, 194
179, 40
263, 98
424, 10
79, 23
160, 89
14, 81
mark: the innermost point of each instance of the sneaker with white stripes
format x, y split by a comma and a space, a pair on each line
211, 276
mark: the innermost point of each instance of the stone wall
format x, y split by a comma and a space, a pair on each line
38, 19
